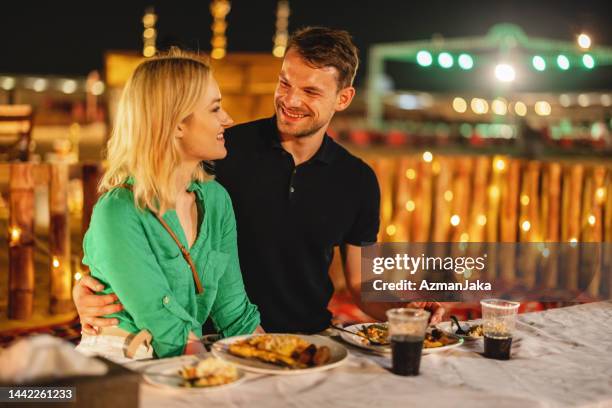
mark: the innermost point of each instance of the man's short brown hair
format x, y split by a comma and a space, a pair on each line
327, 47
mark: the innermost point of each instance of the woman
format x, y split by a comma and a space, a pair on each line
163, 236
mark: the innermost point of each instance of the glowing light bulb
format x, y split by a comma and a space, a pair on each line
526, 226
505, 72
455, 220
584, 41
459, 105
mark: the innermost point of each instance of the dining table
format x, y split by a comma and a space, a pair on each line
560, 358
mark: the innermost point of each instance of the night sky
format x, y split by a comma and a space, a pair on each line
69, 38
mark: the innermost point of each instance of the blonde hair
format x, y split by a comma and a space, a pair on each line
161, 93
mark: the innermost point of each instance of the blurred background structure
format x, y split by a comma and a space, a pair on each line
484, 121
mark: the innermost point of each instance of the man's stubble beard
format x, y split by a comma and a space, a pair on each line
300, 134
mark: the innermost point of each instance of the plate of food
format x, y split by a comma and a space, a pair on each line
435, 340
281, 353
194, 375
473, 330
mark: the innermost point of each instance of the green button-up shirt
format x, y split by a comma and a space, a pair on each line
130, 252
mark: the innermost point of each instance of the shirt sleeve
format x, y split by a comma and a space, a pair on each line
118, 249
232, 312
367, 221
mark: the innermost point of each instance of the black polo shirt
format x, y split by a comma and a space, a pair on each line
290, 218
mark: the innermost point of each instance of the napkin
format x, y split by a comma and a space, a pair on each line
45, 357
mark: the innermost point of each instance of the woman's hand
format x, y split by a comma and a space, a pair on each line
194, 345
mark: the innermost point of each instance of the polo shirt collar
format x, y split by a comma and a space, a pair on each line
325, 154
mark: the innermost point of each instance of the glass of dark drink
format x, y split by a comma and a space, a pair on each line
498, 323
407, 328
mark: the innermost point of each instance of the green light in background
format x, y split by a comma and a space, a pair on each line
563, 62
538, 63
466, 61
588, 61
465, 130
445, 60
424, 58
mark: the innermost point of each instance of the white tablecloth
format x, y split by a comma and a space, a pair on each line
562, 357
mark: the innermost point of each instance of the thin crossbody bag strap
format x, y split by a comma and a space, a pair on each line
184, 251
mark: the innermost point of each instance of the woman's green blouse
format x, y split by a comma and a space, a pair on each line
130, 252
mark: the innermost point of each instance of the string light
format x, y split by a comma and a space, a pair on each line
500, 165
499, 107
526, 226
465, 61
538, 63
505, 72
219, 10
588, 61
584, 101
78, 276
410, 206
455, 220
424, 58
15, 235
39, 84
149, 34
520, 108
600, 194
69, 86
427, 157
97, 88
565, 100
584, 41
435, 167
55, 262
445, 60
525, 199
493, 192
8, 83
592, 220
282, 29
464, 237
391, 230
410, 174
459, 105
479, 106
563, 62
448, 195
542, 108
481, 220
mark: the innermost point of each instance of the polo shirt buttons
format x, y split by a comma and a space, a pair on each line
166, 300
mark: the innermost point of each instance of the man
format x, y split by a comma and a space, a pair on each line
296, 195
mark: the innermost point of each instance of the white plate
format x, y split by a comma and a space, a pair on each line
338, 354
166, 375
449, 328
359, 341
